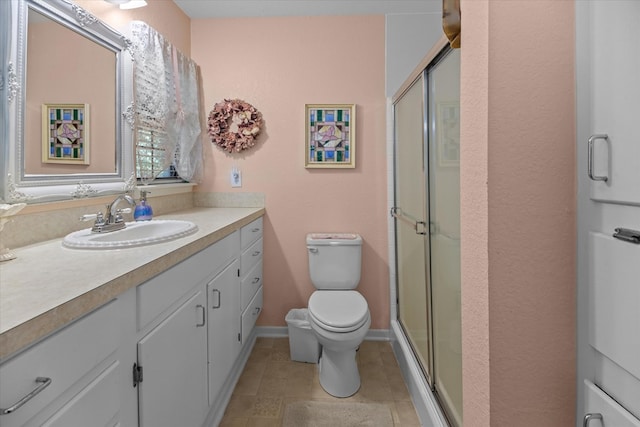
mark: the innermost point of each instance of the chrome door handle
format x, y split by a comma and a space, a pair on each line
589, 417
201, 307
255, 280
217, 304
44, 383
627, 235
590, 157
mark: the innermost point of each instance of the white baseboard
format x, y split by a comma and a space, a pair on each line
272, 331
283, 331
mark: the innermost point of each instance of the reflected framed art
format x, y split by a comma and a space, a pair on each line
65, 131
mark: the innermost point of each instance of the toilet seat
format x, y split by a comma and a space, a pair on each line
338, 311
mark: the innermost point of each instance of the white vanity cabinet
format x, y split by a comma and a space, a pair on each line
77, 371
250, 276
164, 353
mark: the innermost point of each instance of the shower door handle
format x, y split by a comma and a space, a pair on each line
420, 227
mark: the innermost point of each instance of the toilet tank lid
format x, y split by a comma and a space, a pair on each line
334, 239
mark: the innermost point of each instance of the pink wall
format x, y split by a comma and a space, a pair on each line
279, 65
518, 212
53, 78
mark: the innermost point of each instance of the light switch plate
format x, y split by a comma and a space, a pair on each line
236, 177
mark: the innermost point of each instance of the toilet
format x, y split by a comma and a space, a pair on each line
338, 314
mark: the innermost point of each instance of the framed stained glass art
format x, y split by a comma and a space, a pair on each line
65, 133
330, 136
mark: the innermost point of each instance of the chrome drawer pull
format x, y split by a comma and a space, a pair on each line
628, 235
255, 230
256, 253
590, 157
44, 383
204, 321
214, 292
255, 280
590, 417
256, 311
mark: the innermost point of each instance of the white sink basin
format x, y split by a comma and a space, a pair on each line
135, 234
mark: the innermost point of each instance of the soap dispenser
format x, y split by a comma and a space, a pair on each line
143, 211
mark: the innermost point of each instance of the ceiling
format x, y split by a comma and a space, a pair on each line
197, 9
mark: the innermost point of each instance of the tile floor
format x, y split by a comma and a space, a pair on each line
270, 380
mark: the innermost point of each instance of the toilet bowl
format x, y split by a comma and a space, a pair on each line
338, 315
340, 321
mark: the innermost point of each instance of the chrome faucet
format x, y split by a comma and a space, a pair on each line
113, 220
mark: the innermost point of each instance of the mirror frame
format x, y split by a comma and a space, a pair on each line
17, 186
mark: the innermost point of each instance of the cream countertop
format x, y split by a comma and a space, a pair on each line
48, 285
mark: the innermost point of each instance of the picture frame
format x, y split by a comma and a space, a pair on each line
448, 133
330, 140
65, 134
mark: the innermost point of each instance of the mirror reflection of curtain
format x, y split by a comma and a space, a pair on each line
167, 98
451, 21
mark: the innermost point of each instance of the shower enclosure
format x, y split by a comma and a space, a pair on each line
427, 225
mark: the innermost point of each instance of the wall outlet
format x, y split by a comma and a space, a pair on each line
236, 177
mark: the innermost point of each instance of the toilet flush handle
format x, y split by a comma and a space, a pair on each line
312, 250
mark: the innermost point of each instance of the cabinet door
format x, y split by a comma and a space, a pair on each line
615, 101
223, 297
173, 357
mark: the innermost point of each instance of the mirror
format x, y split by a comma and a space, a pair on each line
68, 83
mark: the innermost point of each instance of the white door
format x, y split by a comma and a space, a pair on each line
608, 104
223, 307
173, 356
614, 63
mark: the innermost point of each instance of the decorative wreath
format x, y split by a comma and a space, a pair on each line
234, 125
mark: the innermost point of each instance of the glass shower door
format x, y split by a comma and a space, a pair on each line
444, 229
410, 212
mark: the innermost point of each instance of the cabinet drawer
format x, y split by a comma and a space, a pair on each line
250, 257
598, 402
613, 300
251, 314
65, 357
250, 284
250, 232
96, 405
158, 294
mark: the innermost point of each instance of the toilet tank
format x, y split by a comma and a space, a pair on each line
335, 260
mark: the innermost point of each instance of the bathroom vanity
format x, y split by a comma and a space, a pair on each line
150, 336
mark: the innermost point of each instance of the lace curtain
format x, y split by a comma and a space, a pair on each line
167, 103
